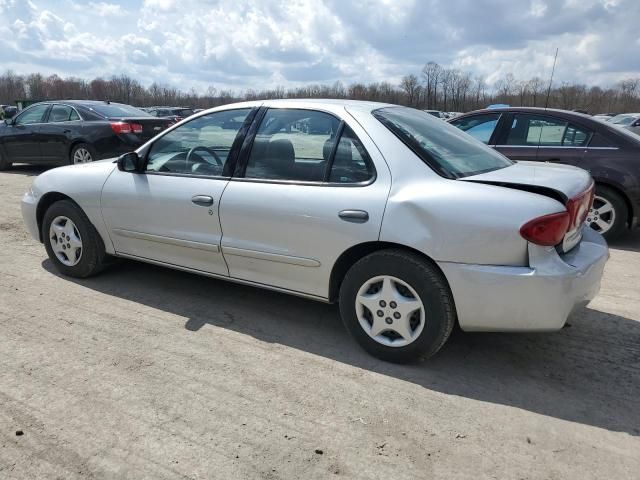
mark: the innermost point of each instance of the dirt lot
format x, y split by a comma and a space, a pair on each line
150, 373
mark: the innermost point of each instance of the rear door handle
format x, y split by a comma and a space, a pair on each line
354, 216
202, 200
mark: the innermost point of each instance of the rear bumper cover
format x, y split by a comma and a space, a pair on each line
535, 298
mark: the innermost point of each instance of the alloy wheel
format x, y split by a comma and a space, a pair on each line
82, 155
65, 241
602, 215
390, 311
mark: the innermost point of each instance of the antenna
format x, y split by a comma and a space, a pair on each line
546, 103
553, 70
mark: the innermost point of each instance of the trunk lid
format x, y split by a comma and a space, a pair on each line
566, 181
571, 186
151, 126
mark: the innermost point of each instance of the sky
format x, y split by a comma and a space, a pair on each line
242, 44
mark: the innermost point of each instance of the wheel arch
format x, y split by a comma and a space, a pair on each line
350, 256
45, 202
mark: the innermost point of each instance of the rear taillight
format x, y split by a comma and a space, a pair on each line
121, 127
124, 127
548, 230
578, 208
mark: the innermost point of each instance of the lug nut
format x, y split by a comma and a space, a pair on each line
380, 313
383, 303
388, 320
393, 304
396, 315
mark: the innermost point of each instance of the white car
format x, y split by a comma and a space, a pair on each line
407, 222
629, 121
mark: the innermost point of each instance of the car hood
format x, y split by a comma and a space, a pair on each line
566, 181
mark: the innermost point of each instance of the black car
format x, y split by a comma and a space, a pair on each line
74, 131
610, 154
173, 113
9, 111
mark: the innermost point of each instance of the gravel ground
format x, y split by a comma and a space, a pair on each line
145, 372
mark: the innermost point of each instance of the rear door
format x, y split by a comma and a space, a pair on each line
21, 140
62, 125
308, 188
170, 212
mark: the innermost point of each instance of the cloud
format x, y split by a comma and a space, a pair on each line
103, 9
264, 43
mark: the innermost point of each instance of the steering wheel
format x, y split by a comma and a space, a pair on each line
215, 156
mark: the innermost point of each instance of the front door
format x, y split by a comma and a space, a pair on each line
170, 212
21, 141
308, 190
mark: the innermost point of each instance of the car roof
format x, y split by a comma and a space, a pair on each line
310, 103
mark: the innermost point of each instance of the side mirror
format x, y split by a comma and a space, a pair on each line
9, 121
130, 162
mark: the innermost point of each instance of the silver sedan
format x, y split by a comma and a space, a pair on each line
408, 223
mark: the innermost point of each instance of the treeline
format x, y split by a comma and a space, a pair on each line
435, 87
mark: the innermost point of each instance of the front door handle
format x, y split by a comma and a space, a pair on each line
354, 216
202, 200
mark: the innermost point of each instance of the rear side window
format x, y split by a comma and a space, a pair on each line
62, 113
292, 144
480, 127
351, 163
534, 130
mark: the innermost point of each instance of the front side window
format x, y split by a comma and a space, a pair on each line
449, 151
534, 130
32, 115
292, 144
199, 147
480, 127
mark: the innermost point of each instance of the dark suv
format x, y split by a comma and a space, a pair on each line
610, 154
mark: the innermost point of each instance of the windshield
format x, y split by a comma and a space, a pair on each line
623, 119
117, 110
448, 150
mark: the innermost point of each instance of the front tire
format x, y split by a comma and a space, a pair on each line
397, 305
608, 214
72, 242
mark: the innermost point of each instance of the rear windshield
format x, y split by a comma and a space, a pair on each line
448, 150
117, 110
185, 112
623, 119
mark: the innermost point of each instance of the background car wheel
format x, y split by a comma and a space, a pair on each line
5, 164
72, 243
397, 306
608, 214
82, 153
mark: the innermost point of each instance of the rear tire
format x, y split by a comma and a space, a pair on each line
379, 290
82, 153
609, 213
72, 242
5, 164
